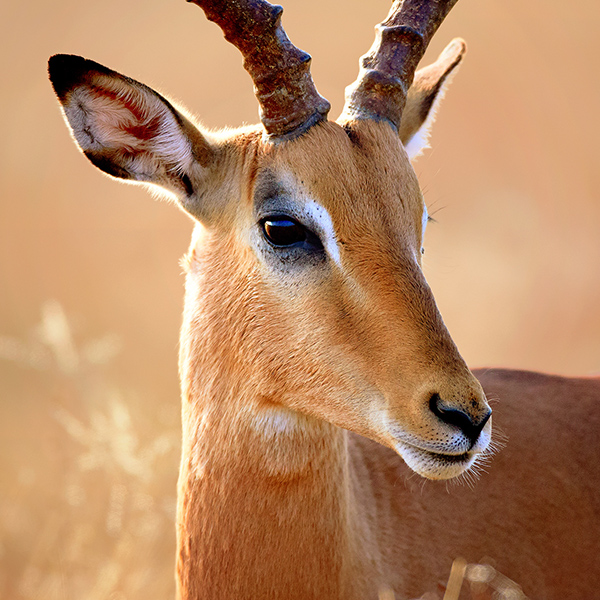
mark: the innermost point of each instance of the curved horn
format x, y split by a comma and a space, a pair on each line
388, 69
289, 101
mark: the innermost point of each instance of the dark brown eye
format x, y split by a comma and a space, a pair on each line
283, 231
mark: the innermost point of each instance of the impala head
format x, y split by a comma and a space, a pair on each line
304, 274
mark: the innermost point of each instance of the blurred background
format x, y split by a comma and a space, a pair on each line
91, 288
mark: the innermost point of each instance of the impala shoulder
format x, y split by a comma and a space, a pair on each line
532, 378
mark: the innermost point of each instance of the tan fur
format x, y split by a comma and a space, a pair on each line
306, 382
316, 512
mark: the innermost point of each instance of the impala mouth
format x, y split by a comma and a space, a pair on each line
449, 458
435, 465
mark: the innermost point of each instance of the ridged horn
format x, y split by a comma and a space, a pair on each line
288, 99
387, 71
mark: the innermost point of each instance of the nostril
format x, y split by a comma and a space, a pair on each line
483, 421
458, 418
450, 416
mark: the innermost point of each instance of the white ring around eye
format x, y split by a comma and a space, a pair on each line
322, 218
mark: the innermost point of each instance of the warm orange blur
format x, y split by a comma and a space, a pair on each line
92, 291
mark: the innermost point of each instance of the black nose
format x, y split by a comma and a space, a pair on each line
470, 426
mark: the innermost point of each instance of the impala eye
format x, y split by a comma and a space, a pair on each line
284, 232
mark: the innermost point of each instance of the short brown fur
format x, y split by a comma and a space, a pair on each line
328, 513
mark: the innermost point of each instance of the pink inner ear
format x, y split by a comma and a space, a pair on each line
133, 115
127, 128
143, 132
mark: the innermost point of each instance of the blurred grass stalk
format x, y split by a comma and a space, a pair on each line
88, 500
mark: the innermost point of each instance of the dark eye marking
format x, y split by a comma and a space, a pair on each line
283, 231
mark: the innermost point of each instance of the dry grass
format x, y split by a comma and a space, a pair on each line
88, 492
475, 581
482, 581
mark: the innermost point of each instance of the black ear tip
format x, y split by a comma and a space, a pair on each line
68, 70
65, 71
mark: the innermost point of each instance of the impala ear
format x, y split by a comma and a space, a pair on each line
130, 131
424, 96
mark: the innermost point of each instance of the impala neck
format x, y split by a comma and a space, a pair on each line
264, 502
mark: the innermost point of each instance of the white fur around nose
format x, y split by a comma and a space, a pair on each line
323, 220
425, 218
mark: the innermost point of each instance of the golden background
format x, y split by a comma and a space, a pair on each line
91, 289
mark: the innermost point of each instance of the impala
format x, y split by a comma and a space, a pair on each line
316, 371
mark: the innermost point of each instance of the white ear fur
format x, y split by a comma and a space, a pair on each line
424, 98
419, 141
134, 127
128, 130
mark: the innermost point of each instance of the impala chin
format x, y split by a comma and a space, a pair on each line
435, 465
